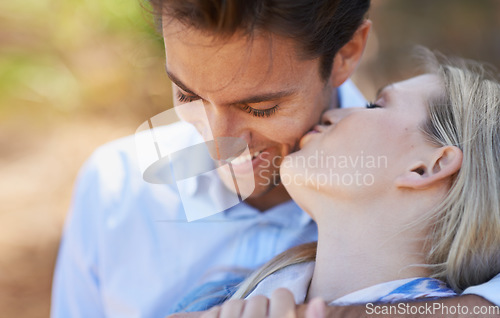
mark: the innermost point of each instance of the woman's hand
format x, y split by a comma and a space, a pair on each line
281, 305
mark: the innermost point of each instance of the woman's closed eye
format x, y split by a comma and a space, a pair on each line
373, 105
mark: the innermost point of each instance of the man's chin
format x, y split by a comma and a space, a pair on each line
261, 191
248, 185
268, 197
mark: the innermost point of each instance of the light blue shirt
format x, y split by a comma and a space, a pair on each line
128, 251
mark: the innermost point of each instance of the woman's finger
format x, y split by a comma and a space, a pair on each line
213, 312
194, 314
282, 304
316, 308
232, 308
256, 307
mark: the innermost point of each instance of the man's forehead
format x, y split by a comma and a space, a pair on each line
261, 44
212, 65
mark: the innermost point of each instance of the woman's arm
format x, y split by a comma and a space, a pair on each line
281, 305
462, 306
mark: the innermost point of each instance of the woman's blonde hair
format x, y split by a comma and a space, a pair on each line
463, 248
464, 245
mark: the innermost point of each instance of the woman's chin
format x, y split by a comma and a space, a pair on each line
293, 179
304, 197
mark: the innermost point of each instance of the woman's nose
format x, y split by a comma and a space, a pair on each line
329, 117
333, 116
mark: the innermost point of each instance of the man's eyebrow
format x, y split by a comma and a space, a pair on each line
249, 100
177, 82
264, 97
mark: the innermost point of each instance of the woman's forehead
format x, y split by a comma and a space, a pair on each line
422, 87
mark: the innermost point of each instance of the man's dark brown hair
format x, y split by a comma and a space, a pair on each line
319, 27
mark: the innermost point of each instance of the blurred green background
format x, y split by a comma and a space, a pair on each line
76, 74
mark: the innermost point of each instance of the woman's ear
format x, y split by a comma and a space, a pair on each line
443, 163
347, 58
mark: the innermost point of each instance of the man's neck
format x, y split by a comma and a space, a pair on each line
270, 199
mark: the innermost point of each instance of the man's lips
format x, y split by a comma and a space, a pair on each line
245, 157
249, 162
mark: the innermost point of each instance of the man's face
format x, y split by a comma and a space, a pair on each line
256, 89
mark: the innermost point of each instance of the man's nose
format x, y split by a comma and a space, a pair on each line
225, 121
230, 134
219, 121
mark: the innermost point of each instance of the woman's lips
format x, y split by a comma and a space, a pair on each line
316, 130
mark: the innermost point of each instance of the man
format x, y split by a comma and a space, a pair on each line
265, 72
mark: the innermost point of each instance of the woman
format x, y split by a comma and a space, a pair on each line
408, 208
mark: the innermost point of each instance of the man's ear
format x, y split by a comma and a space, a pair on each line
443, 163
347, 58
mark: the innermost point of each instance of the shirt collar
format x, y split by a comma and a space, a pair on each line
350, 96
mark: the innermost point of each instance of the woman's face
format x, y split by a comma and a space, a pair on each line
359, 152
